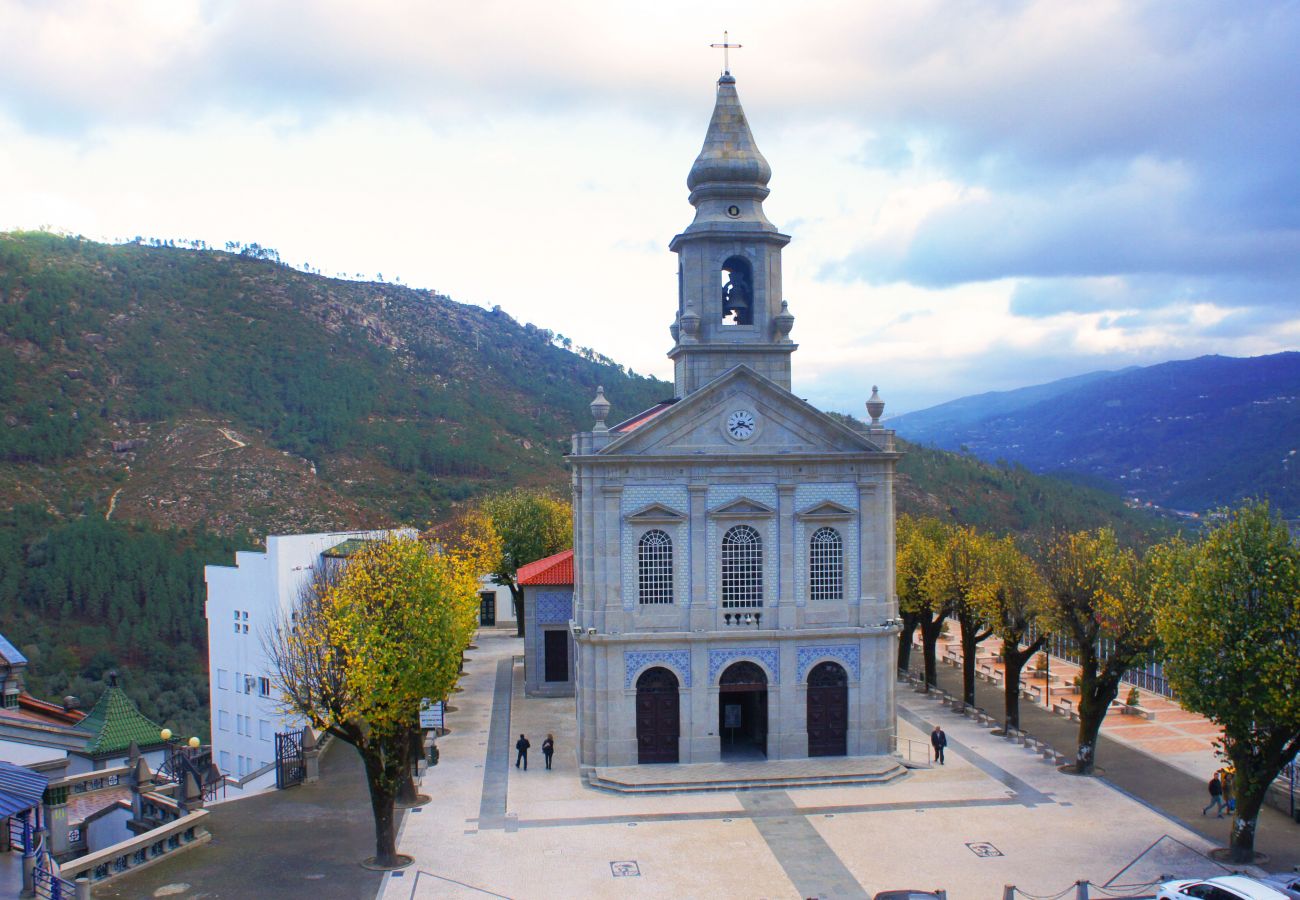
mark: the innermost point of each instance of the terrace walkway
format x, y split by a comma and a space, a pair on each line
1168, 782
306, 841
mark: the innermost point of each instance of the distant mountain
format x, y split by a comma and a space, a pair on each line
1190, 435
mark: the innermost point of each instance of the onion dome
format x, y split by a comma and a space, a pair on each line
729, 155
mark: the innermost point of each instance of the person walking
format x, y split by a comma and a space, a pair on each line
938, 740
1216, 796
548, 749
1229, 793
521, 751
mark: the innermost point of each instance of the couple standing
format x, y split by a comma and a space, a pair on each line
521, 750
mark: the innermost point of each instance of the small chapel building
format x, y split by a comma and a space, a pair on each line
733, 546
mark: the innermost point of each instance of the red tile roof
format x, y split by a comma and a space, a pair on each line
642, 417
557, 569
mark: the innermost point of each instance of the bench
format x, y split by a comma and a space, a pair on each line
1065, 707
1132, 709
1060, 691
1035, 693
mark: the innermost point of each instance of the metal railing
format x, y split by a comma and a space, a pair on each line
916, 753
1149, 676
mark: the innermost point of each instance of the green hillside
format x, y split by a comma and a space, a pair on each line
162, 407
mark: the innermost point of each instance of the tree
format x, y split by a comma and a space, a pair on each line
1016, 607
367, 640
960, 579
1098, 599
919, 541
531, 525
1231, 633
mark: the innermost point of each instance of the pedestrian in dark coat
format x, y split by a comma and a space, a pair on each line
938, 740
1216, 796
548, 749
521, 748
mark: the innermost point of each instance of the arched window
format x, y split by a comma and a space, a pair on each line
826, 565
654, 566
742, 567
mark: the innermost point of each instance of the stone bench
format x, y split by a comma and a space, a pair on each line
1132, 709
1065, 707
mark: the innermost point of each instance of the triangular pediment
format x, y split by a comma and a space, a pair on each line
656, 512
778, 423
827, 509
742, 507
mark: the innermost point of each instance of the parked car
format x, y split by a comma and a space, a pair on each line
1286, 882
1222, 887
908, 895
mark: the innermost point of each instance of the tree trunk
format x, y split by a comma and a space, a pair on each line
910, 623
931, 628
517, 597
1241, 845
383, 775
407, 795
1095, 694
970, 642
1013, 663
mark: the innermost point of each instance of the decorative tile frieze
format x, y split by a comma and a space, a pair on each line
847, 655
768, 656
637, 661
554, 607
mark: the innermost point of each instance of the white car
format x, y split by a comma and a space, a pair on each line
1286, 882
1222, 887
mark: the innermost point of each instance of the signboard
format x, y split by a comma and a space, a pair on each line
431, 714
731, 715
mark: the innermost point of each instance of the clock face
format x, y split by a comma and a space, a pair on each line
741, 424
733, 211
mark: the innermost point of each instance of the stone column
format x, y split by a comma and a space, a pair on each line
787, 612
703, 616
310, 755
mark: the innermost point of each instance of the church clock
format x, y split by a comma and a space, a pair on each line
741, 424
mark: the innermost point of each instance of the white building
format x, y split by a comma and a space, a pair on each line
243, 601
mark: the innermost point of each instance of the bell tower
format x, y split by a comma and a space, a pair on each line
729, 305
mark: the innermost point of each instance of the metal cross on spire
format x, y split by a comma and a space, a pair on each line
726, 47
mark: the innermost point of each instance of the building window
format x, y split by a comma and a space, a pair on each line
223, 679
654, 561
826, 565
742, 568
236, 628
264, 686
223, 720
225, 760
264, 729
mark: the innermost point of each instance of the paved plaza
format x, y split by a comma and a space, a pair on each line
996, 814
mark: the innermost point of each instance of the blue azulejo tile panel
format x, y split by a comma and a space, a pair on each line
554, 607
768, 656
637, 661
847, 655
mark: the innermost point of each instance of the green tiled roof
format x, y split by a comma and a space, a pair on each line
349, 548
115, 722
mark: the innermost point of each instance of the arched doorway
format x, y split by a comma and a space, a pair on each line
828, 710
742, 711
658, 719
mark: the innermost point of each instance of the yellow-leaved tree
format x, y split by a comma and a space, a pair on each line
918, 543
1100, 596
368, 639
1017, 609
960, 579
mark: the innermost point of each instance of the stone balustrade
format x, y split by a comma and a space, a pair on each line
127, 856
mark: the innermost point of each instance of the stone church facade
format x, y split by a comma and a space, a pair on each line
733, 546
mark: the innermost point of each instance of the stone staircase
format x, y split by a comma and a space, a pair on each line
745, 776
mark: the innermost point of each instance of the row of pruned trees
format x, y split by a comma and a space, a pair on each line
1221, 613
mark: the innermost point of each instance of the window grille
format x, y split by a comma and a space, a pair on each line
742, 568
826, 565
655, 567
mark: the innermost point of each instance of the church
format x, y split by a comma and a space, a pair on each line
733, 569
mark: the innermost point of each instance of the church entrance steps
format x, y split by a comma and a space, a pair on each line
746, 776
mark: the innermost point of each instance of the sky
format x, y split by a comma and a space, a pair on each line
982, 194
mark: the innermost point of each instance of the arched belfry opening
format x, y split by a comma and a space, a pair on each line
737, 291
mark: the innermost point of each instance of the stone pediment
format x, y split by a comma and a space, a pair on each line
742, 508
780, 423
656, 513
826, 510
